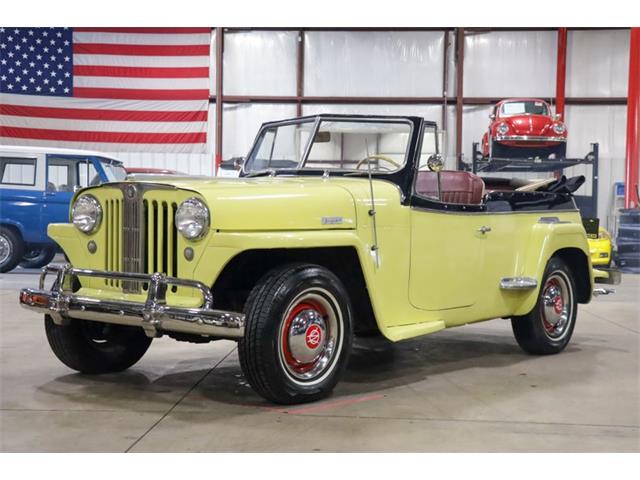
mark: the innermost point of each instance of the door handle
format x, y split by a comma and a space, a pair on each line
484, 229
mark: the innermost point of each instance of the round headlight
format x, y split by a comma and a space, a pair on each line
559, 128
86, 213
503, 128
192, 218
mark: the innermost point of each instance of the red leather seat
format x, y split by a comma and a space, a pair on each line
456, 186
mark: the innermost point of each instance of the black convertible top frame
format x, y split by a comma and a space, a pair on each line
588, 204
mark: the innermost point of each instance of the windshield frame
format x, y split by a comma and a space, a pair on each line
317, 121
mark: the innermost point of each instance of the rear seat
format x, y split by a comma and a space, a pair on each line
456, 186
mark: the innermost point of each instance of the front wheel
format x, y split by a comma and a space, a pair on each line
38, 257
548, 327
94, 347
298, 334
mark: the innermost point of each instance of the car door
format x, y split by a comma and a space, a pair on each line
448, 236
62, 182
447, 256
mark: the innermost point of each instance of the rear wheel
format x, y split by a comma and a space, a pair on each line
38, 257
298, 334
548, 327
11, 249
95, 347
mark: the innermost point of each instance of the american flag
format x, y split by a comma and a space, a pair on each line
113, 89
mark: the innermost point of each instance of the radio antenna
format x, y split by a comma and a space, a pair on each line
372, 210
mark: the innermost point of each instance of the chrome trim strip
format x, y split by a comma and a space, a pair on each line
551, 220
603, 291
518, 283
154, 316
529, 138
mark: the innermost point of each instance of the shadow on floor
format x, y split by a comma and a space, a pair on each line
375, 365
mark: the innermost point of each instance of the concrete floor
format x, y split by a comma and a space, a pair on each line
465, 389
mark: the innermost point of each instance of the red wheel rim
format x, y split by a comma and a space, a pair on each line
556, 307
301, 307
309, 335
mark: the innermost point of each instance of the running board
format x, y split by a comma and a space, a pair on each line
518, 283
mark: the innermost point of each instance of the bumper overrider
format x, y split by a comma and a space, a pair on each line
153, 315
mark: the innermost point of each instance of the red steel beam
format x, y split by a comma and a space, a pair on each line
219, 99
633, 123
561, 71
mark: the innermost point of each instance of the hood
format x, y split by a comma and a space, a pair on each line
272, 203
529, 124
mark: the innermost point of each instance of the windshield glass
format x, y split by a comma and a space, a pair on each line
525, 107
380, 145
280, 146
115, 172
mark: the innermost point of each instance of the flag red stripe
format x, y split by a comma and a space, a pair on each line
105, 137
146, 72
167, 30
107, 115
140, 94
150, 50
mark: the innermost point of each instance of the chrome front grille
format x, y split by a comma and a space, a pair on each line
133, 235
162, 251
141, 236
113, 237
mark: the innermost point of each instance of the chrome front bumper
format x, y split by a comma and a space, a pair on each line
154, 315
529, 138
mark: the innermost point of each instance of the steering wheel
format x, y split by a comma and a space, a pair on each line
378, 157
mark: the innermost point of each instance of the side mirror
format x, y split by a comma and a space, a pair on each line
435, 163
492, 116
238, 163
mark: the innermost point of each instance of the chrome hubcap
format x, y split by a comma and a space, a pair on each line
556, 306
5, 249
309, 335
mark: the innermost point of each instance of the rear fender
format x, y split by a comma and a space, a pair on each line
567, 240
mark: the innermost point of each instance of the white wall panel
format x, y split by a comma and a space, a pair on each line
428, 112
605, 125
242, 121
260, 63
373, 63
193, 164
597, 63
475, 121
510, 64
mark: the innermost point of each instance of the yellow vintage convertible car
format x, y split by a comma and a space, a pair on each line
338, 226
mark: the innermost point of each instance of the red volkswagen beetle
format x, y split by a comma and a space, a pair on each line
524, 128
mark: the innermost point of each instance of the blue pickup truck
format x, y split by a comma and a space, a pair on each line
36, 186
